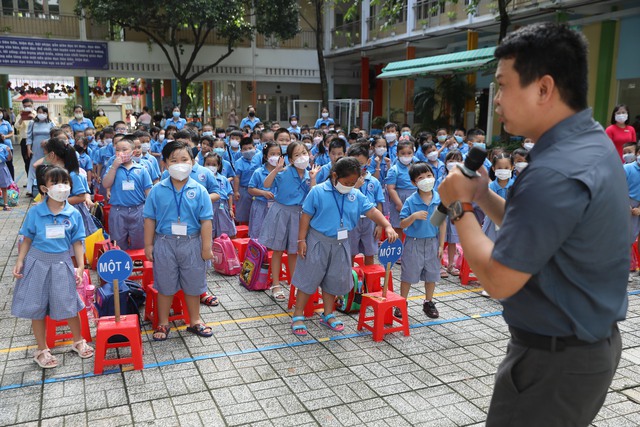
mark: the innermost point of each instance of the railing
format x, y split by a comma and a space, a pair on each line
346, 35
379, 27
305, 39
56, 26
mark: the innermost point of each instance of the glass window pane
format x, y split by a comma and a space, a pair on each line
7, 7
54, 7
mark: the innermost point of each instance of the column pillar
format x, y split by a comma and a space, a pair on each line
378, 95
148, 90
604, 72
4, 92
157, 94
408, 90
364, 90
174, 92
82, 92
470, 104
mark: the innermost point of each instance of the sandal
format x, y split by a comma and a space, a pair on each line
45, 359
443, 273
299, 330
453, 271
278, 294
210, 300
336, 325
200, 329
161, 329
6, 208
84, 350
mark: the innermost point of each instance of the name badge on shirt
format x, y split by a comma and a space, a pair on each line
54, 231
178, 229
128, 185
343, 234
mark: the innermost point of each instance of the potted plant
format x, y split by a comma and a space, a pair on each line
452, 15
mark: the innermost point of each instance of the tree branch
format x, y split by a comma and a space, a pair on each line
174, 44
159, 42
212, 66
308, 22
197, 45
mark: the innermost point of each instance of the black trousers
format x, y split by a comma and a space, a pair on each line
25, 157
564, 388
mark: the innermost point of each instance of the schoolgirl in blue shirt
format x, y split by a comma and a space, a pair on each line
46, 279
424, 243
399, 183
244, 171
5, 174
337, 150
519, 161
176, 120
430, 153
365, 235
84, 160
223, 209
324, 120
293, 183
177, 238
330, 211
80, 123
129, 184
320, 149
220, 148
503, 171
233, 149
262, 197
379, 166
453, 158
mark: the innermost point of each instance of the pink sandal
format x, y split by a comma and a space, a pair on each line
45, 359
84, 350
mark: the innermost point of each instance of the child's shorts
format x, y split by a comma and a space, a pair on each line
280, 228
243, 206
222, 222
178, 264
126, 226
394, 215
452, 233
420, 260
259, 210
327, 264
47, 288
361, 239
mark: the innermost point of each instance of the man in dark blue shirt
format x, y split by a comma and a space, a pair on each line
560, 261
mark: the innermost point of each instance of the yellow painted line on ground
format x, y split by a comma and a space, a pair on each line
236, 321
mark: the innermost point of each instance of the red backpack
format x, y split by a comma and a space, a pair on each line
255, 268
225, 258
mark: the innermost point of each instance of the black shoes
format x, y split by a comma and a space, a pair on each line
430, 309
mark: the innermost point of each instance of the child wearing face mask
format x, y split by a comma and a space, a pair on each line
519, 161
337, 150
632, 172
629, 152
223, 209
399, 183
234, 152
451, 161
430, 153
145, 150
84, 159
129, 184
46, 279
283, 219
244, 170
502, 168
424, 242
5, 174
263, 197
379, 165
391, 136
476, 138
220, 148
329, 212
320, 149
528, 144
177, 238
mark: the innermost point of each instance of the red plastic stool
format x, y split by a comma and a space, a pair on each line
466, 275
284, 268
242, 231
374, 277
127, 327
137, 254
314, 303
383, 314
105, 216
179, 307
52, 326
241, 245
359, 259
98, 248
98, 198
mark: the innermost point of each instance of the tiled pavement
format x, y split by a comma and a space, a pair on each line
255, 372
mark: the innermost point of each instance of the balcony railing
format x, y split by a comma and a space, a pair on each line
56, 26
305, 39
346, 35
381, 27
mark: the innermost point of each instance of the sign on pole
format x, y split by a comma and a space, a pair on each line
113, 266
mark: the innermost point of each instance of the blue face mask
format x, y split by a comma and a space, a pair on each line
480, 145
283, 149
219, 151
89, 138
176, 114
458, 139
249, 154
406, 133
207, 133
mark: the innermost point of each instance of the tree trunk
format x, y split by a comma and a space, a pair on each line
324, 85
504, 26
184, 97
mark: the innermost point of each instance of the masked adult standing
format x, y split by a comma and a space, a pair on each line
561, 257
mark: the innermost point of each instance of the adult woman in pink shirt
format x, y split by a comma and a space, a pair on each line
620, 132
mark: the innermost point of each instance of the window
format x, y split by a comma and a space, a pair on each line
31, 8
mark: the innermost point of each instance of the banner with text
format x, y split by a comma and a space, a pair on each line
48, 53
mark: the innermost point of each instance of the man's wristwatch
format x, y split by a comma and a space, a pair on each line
457, 209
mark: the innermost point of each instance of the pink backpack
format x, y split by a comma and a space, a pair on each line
225, 258
255, 268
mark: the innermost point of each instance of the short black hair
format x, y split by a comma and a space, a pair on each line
552, 49
418, 168
346, 166
338, 143
175, 146
236, 133
358, 150
246, 141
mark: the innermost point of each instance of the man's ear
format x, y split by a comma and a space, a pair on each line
546, 87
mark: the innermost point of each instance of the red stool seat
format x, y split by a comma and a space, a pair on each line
242, 231
179, 307
98, 198
284, 267
383, 314
359, 259
105, 216
127, 327
52, 326
98, 249
374, 277
466, 275
315, 302
241, 245
137, 254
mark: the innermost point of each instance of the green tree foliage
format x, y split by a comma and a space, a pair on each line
180, 28
444, 105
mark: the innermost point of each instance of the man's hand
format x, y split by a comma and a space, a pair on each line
456, 186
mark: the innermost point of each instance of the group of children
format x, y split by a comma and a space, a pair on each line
322, 196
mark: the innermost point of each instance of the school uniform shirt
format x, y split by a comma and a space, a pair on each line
393, 151
5, 129
179, 124
292, 129
321, 159
235, 155
164, 205
4, 153
323, 173
398, 175
154, 165
40, 216
141, 180
291, 188
329, 209
502, 192
372, 189
257, 181
85, 162
632, 172
383, 167
327, 122
227, 170
149, 167
248, 121
224, 187
244, 169
256, 161
79, 184
81, 125
420, 229
438, 170
202, 176
106, 153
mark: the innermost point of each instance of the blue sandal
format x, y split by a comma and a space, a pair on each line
300, 330
334, 325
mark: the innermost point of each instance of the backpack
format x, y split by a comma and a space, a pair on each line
105, 301
350, 303
225, 258
97, 210
255, 268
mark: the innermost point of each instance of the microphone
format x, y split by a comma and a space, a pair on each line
473, 162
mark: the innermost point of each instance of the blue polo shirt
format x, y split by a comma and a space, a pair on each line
248, 121
162, 206
421, 229
438, 168
328, 208
81, 125
372, 189
179, 124
244, 170
154, 165
257, 181
324, 173
224, 187
85, 162
328, 121
632, 172
291, 188
4, 153
502, 192
141, 180
37, 219
398, 175
567, 222
383, 167
79, 184
153, 174
202, 176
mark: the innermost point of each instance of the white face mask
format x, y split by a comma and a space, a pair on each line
343, 189
207, 133
432, 156
256, 141
28, 109
325, 115
78, 116
503, 174
59, 192
234, 143
451, 166
528, 145
145, 147
621, 118
273, 160
405, 160
629, 157
294, 123
135, 159
426, 184
520, 166
213, 169
180, 171
317, 140
442, 138
390, 137
380, 151
108, 141
308, 145
101, 113
301, 162
161, 138
42, 117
